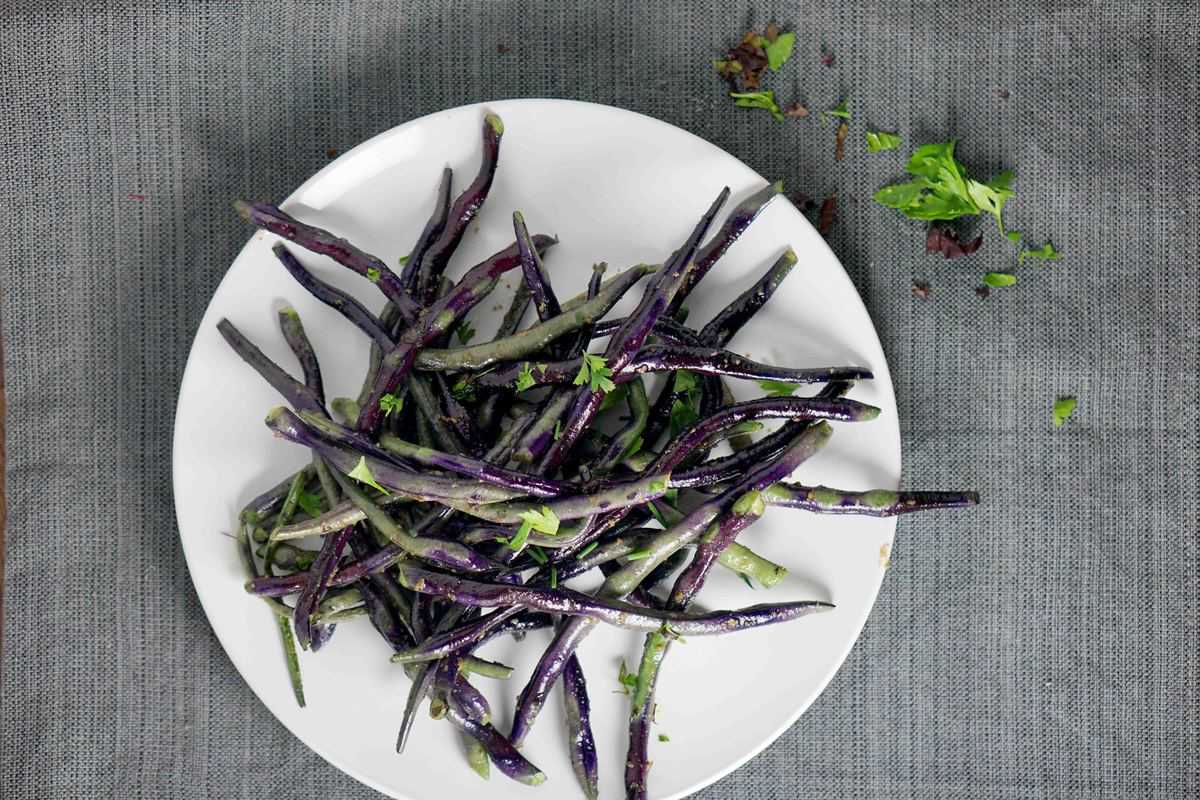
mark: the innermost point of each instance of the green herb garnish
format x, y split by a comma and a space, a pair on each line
843, 110
362, 473
683, 415
537, 555
999, 279
543, 521
764, 100
1063, 408
391, 403
878, 141
525, 378
638, 555
685, 409
595, 373
779, 50
1045, 253
662, 737
777, 388
686, 381
591, 546
373, 274
557, 429
463, 391
943, 190
627, 679
309, 503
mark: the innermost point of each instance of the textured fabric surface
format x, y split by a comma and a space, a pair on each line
1044, 646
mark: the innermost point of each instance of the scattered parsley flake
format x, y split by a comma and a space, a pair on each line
746, 580
537, 555
463, 391
522, 536
309, 503
1045, 253
943, 190
390, 403
627, 679
764, 100
843, 110
557, 429
525, 378
879, 141
362, 474
638, 555
686, 381
1064, 407
402, 260
595, 373
920, 290
777, 388
683, 415
780, 50
592, 546
1013, 236
999, 279
553, 577
662, 737
544, 521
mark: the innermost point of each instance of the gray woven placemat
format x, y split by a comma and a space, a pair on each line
1044, 646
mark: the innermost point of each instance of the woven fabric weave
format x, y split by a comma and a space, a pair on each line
1044, 646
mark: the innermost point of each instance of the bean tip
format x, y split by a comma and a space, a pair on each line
496, 124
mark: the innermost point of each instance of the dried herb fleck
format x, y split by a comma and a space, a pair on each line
944, 240
827, 215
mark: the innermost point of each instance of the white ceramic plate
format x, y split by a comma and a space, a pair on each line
617, 187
